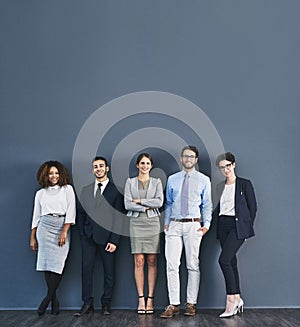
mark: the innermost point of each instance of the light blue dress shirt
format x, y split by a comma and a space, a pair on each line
199, 203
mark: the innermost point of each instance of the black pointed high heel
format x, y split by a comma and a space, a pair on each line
55, 306
43, 306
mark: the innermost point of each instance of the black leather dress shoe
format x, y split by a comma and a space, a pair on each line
106, 309
85, 309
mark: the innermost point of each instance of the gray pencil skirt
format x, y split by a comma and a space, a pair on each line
144, 235
50, 256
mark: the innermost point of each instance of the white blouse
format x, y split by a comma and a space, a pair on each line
57, 200
227, 201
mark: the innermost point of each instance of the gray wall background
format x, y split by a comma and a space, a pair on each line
237, 60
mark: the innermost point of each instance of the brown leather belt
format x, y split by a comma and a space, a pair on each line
186, 220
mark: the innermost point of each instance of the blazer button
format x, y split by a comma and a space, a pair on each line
236, 219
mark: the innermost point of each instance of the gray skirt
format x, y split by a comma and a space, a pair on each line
50, 256
144, 235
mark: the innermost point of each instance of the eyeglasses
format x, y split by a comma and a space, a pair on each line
222, 168
185, 156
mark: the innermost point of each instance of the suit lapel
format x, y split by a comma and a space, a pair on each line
105, 192
237, 192
135, 188
150, 187
220, 189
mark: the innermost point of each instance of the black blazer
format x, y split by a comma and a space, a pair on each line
101, 219
245, 207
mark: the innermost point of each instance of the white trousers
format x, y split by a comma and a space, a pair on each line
179, 235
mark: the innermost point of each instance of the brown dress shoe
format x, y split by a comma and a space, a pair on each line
171, 311
190, 309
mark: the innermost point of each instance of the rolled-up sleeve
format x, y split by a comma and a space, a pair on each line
36, 210
71, 206
206, 205
168, 204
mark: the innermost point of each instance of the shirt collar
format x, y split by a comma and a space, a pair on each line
54, 187
104, 184
189, 173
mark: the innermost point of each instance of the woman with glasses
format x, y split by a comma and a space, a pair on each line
143, 197
236, 212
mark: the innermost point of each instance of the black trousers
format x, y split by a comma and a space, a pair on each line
89, 251
228, 260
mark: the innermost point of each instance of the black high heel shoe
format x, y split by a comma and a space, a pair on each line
55, 306
141, 311
43, 306
150, 311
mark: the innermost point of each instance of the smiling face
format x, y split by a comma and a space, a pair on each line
144, 166
53, 176
100, 170
227, 168
188, 160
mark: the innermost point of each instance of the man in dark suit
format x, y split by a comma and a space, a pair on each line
99, 222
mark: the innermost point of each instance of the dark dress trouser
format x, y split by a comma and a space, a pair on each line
89, 249
228, 260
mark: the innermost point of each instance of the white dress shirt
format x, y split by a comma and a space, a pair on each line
104, 183
227, 201
57, 200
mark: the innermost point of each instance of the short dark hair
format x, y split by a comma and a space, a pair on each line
225, 156
142, 155
100, 158
43, 174
192, 148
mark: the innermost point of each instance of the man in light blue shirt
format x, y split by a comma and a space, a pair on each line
188, 204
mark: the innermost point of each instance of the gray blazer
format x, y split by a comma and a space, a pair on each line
154, 197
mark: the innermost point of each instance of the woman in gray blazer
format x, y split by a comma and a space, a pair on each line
143, 197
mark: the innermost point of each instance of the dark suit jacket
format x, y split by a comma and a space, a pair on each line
101, 218
245, 207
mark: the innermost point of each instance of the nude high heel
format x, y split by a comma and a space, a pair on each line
241, 306
232, 311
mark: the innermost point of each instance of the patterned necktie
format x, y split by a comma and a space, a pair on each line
98, 192
185, 196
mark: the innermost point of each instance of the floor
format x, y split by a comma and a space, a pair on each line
129, 318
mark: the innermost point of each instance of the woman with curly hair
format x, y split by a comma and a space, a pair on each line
53, 214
